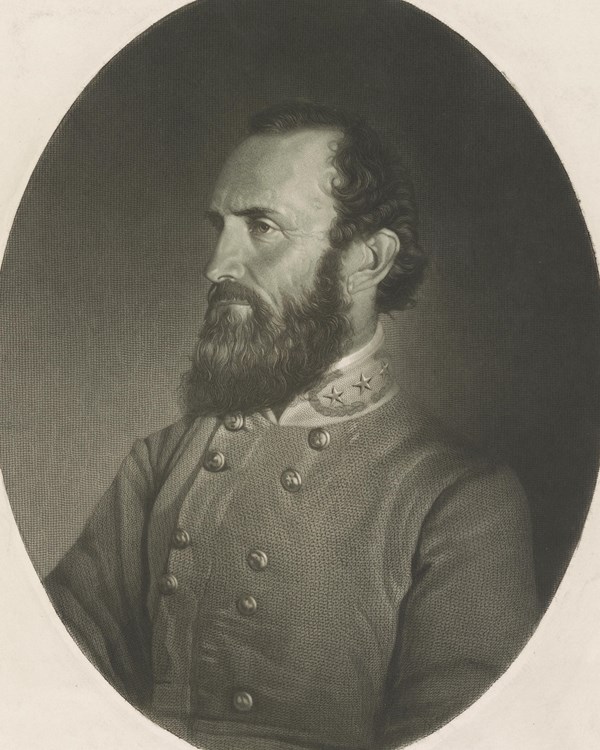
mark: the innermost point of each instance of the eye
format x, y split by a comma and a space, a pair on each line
260, 227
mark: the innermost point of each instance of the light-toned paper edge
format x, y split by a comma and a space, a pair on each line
50, 696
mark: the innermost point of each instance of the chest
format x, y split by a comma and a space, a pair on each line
319, 504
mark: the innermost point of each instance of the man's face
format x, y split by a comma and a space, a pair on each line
273, 210
276, 318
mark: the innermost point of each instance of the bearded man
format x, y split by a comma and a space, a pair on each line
303, 560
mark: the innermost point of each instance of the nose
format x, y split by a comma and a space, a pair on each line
226, 260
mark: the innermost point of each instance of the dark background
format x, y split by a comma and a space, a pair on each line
101, 290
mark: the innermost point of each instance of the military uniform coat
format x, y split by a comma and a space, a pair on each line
342, 578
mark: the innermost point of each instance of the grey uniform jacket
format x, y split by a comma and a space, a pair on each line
258, 586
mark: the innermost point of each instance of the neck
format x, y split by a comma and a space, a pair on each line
361, 337
363, 319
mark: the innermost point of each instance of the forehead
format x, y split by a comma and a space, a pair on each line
292, 170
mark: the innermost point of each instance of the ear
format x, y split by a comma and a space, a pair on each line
372, 260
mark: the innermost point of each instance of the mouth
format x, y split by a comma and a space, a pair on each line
230, 302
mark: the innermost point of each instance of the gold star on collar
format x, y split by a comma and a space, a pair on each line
363, 384
334, 396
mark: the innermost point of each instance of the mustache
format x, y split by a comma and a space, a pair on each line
231, 291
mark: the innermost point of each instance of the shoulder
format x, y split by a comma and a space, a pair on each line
437, 471
401, 434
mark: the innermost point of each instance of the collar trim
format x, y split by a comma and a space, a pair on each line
356, 385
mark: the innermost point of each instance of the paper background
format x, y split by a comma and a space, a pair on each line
50, 697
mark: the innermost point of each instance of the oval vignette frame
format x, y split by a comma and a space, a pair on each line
464, 720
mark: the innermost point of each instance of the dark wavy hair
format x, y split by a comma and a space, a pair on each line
371, 192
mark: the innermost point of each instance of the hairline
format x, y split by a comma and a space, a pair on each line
340, 133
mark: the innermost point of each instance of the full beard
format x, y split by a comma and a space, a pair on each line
252, 358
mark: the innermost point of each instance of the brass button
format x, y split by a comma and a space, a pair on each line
242, 701
180, 539
291, 480
168, 584
257, 559
214, 461
318, 439
247, 605
233, 422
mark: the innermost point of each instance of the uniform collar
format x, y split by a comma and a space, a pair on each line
356, 385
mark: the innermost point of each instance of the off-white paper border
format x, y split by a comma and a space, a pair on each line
50, 697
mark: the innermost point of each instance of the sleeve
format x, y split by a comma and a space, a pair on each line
471, 607
98, 587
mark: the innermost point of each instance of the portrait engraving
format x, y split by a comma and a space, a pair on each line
313, 555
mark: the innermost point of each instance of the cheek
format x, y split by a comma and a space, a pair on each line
289, 269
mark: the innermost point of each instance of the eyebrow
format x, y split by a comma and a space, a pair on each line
252, 212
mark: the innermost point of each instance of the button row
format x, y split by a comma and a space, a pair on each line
256, 559
318, 438
291, 480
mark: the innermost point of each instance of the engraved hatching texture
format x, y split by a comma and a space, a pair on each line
399, 581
